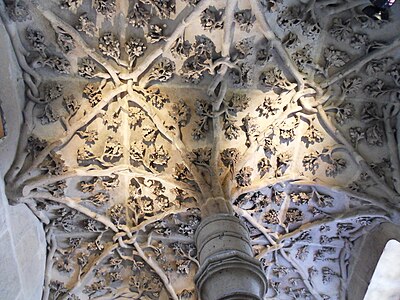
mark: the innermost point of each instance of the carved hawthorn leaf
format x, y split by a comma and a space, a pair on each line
182, 173
350, 86
301, 198
136, 117
244, 47
138, 16
163, 70
93, 94
181, 48
99, 199
200, 156
336, 166
344, 113
312, 136
90, 136
231, 130
377, 89
159, 158
237, 103
274, 78
70, 4
310, 161
105, 7
85, 156
243, 177
359, 40
36, 39
18, 11
113, 120
65, 41
269, 146
245, 19
230, 157
155, 33
310, 28
293, 215
324, 200
282, 162
48, 115
54, 164
211, 19
394, 73
163, 8
51, 91
374, 135
341, 29
109, 46
269, 107
136, 152
180, 113
356, 134
112, 150
35, 145
378, 66
271, 217
134, 48
86, 25
264, 166
59, 64
156, 98
57, 189
370, 113
335, 58
287, 128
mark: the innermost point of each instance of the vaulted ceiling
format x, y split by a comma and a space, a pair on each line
138, 111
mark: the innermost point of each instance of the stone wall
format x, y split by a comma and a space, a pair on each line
22, 238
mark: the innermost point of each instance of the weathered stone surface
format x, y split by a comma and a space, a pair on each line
10, 283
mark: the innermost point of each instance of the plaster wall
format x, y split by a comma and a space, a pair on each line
22, 238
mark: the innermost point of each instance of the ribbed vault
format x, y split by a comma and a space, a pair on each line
138, 112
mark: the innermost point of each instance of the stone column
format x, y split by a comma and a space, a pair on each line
228, 269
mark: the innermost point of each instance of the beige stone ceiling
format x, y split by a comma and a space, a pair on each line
138, 111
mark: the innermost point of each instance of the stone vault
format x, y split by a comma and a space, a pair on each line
142, 118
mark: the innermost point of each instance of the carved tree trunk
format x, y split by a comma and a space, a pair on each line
228, 269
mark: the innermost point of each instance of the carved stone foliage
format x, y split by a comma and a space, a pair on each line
136, 113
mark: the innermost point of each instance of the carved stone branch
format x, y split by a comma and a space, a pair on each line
39, 181
52, 247
256, 224
27, 174
74, 204
393, 147
157, 270
382, 203
302, 274
356, 65
176, 142
150, 59
22, 144
155, 218
88, 271
358, 159
58, 22
276, 43
345, 6
216, 106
